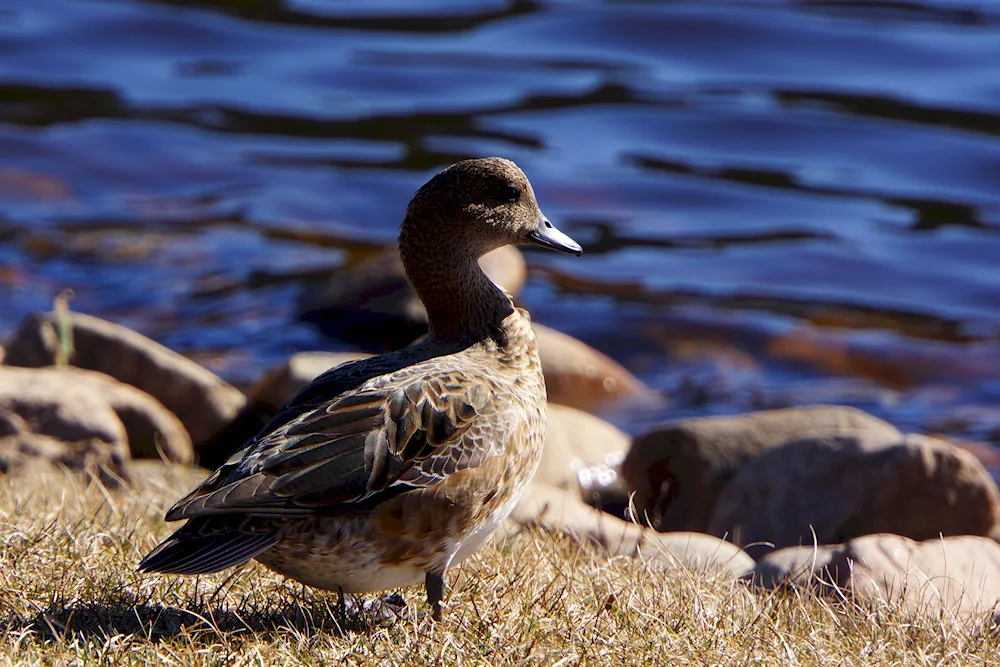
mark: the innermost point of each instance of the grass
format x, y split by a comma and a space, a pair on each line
70, 595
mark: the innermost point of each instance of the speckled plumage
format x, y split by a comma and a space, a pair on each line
387, 471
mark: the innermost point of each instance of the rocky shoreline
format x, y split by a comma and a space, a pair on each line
825, 499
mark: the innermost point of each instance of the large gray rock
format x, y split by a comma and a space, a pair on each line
202, 401
563, 512
372, 305
833, 488
957, 577
677, 470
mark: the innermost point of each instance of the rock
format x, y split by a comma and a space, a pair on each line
54, 404
279, 384
47, 417
11, 424
844, 486
986, 453
372, 305
957, 577
562, 512
203, 402
801, 566
505, 266
699, 552
677, 470
579, 376
575, 440
28, 453
153, 431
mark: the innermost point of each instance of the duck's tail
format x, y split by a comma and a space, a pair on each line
205, 545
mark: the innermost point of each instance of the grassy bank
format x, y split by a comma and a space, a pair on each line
70, 595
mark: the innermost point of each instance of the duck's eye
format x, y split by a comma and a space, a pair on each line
511, 193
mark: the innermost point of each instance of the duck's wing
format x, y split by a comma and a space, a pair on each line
395, 432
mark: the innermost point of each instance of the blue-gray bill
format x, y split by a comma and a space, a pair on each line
547, 236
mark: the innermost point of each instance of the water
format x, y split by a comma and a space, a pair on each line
781, 202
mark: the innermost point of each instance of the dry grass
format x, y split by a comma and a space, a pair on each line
70, 596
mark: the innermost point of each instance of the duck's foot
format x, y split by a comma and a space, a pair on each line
384, 610
355, 613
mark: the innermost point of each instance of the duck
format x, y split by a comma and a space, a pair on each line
386, 472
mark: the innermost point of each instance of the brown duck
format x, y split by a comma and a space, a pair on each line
387, 471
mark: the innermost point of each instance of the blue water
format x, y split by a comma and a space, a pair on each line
781, 202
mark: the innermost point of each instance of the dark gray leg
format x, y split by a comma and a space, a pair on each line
341, 609
435, 593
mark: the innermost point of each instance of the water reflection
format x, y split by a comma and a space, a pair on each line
781, 201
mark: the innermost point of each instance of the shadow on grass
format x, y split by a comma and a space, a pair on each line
130, 615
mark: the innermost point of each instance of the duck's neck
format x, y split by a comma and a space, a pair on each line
462, 302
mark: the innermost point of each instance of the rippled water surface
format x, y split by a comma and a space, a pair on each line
781, 202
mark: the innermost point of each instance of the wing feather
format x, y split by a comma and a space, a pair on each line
347, 453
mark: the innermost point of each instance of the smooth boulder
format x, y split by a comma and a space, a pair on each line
579, 376
562, 512
677, 471
575, 441
153, 431
833, 488
957, 577
201, 400
49, 402
49, 418
372, 305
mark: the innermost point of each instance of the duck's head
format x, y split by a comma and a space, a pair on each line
481, 204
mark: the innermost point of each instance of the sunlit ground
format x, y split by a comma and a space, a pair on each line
70, 595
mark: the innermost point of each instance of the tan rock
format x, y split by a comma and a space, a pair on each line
677, 470
153, 431
575, 440
953, 577
801, 566
49, 418
836, 487
562, 512
987, 454
371, 304
579, 376
33, 454
279, 384
699, 552
202, 401
54, 404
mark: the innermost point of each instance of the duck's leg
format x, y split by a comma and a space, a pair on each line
341, 609
435, 593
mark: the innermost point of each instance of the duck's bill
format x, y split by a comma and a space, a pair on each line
547, 236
